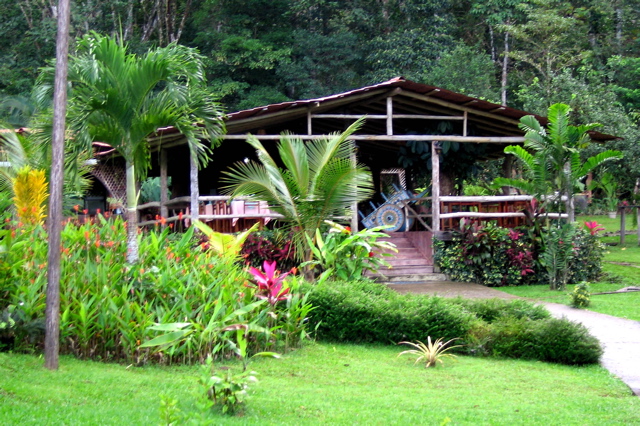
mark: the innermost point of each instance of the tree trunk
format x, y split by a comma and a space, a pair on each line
132, 214
505, 66
194, 186
52, 309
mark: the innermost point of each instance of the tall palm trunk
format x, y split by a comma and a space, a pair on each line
132, 213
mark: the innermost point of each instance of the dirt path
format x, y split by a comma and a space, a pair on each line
620, 338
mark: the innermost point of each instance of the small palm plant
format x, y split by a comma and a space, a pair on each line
431, 352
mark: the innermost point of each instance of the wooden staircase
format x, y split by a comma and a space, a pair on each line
408, 265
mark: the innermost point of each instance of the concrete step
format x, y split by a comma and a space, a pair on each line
406, 270
412, 279
406, 261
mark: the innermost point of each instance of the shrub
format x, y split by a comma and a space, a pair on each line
588, 257
488, 255
491, 310
550, 340
581, 295
366, 312
494, 256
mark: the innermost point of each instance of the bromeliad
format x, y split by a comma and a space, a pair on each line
269, 282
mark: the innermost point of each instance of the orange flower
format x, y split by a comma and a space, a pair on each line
76, 207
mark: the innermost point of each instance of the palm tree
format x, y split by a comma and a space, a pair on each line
320, 181
121, 99
552, 158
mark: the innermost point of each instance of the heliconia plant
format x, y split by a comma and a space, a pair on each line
30, 195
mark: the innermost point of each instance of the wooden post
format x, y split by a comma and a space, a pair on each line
195, 191
164, 212
465, 122
309, 124
623, 225
435, 187
354, 205
389, 116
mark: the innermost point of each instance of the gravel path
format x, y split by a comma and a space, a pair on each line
620, 338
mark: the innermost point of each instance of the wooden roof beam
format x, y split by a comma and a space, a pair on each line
454, 106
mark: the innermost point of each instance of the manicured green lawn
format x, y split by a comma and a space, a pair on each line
324, 384
621, 267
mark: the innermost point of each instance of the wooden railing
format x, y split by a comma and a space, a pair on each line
506, 210
213, 208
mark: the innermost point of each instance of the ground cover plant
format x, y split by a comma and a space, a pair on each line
179, 291
321, 384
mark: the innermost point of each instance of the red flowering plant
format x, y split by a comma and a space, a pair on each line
270, 283
593, 227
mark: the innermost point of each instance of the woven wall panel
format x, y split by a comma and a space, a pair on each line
112, 176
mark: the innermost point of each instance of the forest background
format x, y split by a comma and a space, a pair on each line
525, 54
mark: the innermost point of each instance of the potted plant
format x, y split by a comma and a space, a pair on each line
609, 187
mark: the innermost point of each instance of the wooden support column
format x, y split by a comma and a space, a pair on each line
507, 171
623, 225
195, 191
354, 205
309, 126
164, 212
435, 187
465, 122
390, 116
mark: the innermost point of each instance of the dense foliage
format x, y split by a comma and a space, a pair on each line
525, 54
368, 312
109, 309
495, 256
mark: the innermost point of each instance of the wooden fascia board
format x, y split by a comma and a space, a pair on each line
395, 138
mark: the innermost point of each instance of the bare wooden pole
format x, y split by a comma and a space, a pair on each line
435, 187
164, 211
52, 309
195, 190
354, 205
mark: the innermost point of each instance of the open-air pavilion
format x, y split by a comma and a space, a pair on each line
400, 115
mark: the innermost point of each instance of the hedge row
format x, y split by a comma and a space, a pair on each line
366, 312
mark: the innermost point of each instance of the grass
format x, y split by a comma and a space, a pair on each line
324, 383
621, 267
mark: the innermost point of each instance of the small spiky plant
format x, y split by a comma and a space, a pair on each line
431, 353
30, 195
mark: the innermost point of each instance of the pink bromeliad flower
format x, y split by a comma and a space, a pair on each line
269, 282
593, 227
